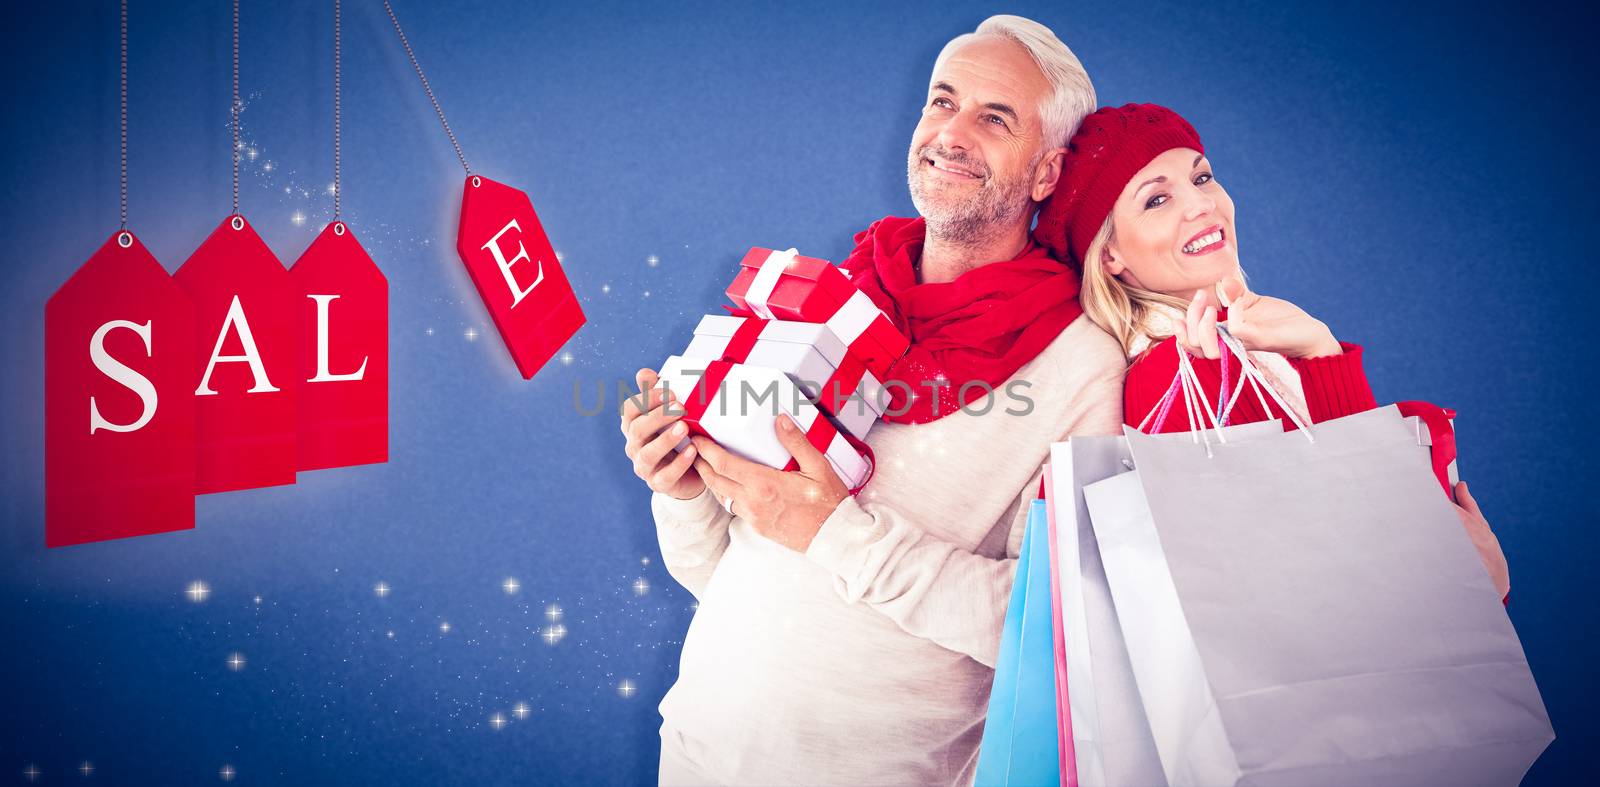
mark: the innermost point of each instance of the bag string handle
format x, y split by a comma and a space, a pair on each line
1257, 382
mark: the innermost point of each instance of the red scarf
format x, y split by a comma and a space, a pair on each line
981, 327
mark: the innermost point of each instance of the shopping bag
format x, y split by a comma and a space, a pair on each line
1019, 736
1306, 610
1111, 739
1068, 761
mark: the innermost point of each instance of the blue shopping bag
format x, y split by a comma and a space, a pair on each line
1019, 738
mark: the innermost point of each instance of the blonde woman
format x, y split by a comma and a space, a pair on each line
1139, 211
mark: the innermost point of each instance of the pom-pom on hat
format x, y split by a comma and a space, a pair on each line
1109, 148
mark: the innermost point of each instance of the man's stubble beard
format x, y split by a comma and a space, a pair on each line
973, 221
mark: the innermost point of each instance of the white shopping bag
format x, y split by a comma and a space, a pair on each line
1310, 611
1111, 735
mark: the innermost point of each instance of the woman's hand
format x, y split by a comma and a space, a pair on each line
1198, 331
1261, 322
1494, 560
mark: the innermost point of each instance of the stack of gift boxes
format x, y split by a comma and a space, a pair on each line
803, 343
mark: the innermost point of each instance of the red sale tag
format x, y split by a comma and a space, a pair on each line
119, 414
515, 270
245, 370
343, 399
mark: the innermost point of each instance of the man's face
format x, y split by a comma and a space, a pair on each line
974, 154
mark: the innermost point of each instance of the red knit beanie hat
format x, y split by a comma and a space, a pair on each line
1111, 146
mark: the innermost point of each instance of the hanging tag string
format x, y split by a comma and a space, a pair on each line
122, 120
235, 114
338, 188
405, 43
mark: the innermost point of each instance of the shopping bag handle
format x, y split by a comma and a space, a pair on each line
1247, 368
1197, 408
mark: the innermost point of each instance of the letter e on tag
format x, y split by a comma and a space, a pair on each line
514, 267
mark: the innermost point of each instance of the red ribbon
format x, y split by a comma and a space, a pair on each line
866, 451
820, 436
842, 384
705, 390
1443, 435
744, 339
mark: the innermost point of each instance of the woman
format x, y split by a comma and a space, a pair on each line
1139, 212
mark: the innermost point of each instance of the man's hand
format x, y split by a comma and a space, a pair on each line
786, 507
1494, 560
652, 433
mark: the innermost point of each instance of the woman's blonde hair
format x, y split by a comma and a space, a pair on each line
1115, 305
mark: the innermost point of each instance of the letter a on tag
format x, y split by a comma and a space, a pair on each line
515, 270
343, 401
119, 417
245, 367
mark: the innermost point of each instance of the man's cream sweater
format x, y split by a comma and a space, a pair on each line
868, 659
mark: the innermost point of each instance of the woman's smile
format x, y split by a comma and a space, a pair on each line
1206, 241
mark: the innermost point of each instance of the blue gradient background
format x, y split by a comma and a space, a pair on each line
1418, 178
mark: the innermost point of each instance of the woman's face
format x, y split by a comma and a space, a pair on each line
1172, 227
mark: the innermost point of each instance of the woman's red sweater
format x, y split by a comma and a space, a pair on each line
1334, 386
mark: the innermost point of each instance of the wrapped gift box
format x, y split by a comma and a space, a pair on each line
738, 406
813, 357
786, 286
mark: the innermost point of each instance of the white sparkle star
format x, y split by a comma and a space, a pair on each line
606, 288
297, 218
521, 710
497, 721
429, 331
471, 334
31, 773
86, 768
332, 188
198, 591
644, 561
641, 586
552, 613
389, 634
444, 627
626, 689
566, 359
381, 589
646, 293
287, 190
236, 661
258, 601
554, 633
226, 773
267, 167
511, 586
559, 256
652, 260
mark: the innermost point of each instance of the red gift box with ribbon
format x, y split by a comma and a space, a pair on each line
783, 285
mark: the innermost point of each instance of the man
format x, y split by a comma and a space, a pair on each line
852, 640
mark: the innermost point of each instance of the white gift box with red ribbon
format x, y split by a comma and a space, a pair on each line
811, 354
738, 406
